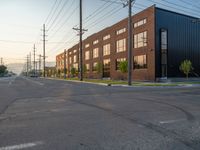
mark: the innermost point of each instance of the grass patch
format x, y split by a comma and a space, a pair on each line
120, 82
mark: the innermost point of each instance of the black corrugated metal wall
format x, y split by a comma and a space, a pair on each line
183, 41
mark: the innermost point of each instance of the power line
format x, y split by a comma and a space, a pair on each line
56, 8
62, 25
171, 3
175, 8
58, 14
53, 6
19, 42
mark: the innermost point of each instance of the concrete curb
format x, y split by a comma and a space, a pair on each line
103, 84
121, 85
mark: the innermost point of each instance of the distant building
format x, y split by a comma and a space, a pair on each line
162, 40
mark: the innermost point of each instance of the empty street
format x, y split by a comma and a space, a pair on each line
42, 114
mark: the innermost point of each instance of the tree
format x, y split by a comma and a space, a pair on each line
123, 66
59, 72
3, 69
186, 67
73, 71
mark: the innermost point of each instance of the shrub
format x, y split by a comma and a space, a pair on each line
73, 71
186, 67
123, 66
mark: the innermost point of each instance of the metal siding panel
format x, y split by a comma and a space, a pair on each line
183, 41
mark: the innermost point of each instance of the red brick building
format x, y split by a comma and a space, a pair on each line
110, 46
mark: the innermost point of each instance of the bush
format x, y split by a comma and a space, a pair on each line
123, 66
186, 67
73, 72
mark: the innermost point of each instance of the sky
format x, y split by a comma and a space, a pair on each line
21, 22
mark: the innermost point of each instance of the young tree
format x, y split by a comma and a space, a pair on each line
73, 71
59, 72
123, 66
186, 67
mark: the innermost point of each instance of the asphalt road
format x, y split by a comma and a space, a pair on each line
39, 114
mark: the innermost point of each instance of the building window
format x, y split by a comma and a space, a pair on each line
94, 66
121, 31
106, 37
164, 51
70, 53
118, 62
75, 58
95, 52
121, 45
87, 55
87, 67
87, 45
75, 66
140, 62
75, 51
140, 40
95, 42
70, 60
106, 49
140, 23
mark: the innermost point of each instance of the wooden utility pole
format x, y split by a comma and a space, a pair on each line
44, 55
65, 68
34, 59
130, 42
81, 31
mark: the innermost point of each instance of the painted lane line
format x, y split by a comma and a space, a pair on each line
22, 146
171, 121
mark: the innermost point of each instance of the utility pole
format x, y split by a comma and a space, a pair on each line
65, 69
39, 64
30, 62
34, 59
27, 65
36, 63
130, 42
81, 31
44, 55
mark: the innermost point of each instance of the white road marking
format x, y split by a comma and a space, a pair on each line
171, 121
36, 82
22, 146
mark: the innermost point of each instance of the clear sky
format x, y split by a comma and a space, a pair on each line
21, 22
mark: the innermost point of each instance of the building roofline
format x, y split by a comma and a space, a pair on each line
178, 13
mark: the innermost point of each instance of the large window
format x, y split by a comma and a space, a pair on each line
140, 62
164, 46
95, 42
94, 66
106, 37
121, 31
87, 55
106, 49
140, 40
118, 61
87, 67
121, 45
75, 66
87, 45
75, 58
95, 53
70, 60
140, 23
